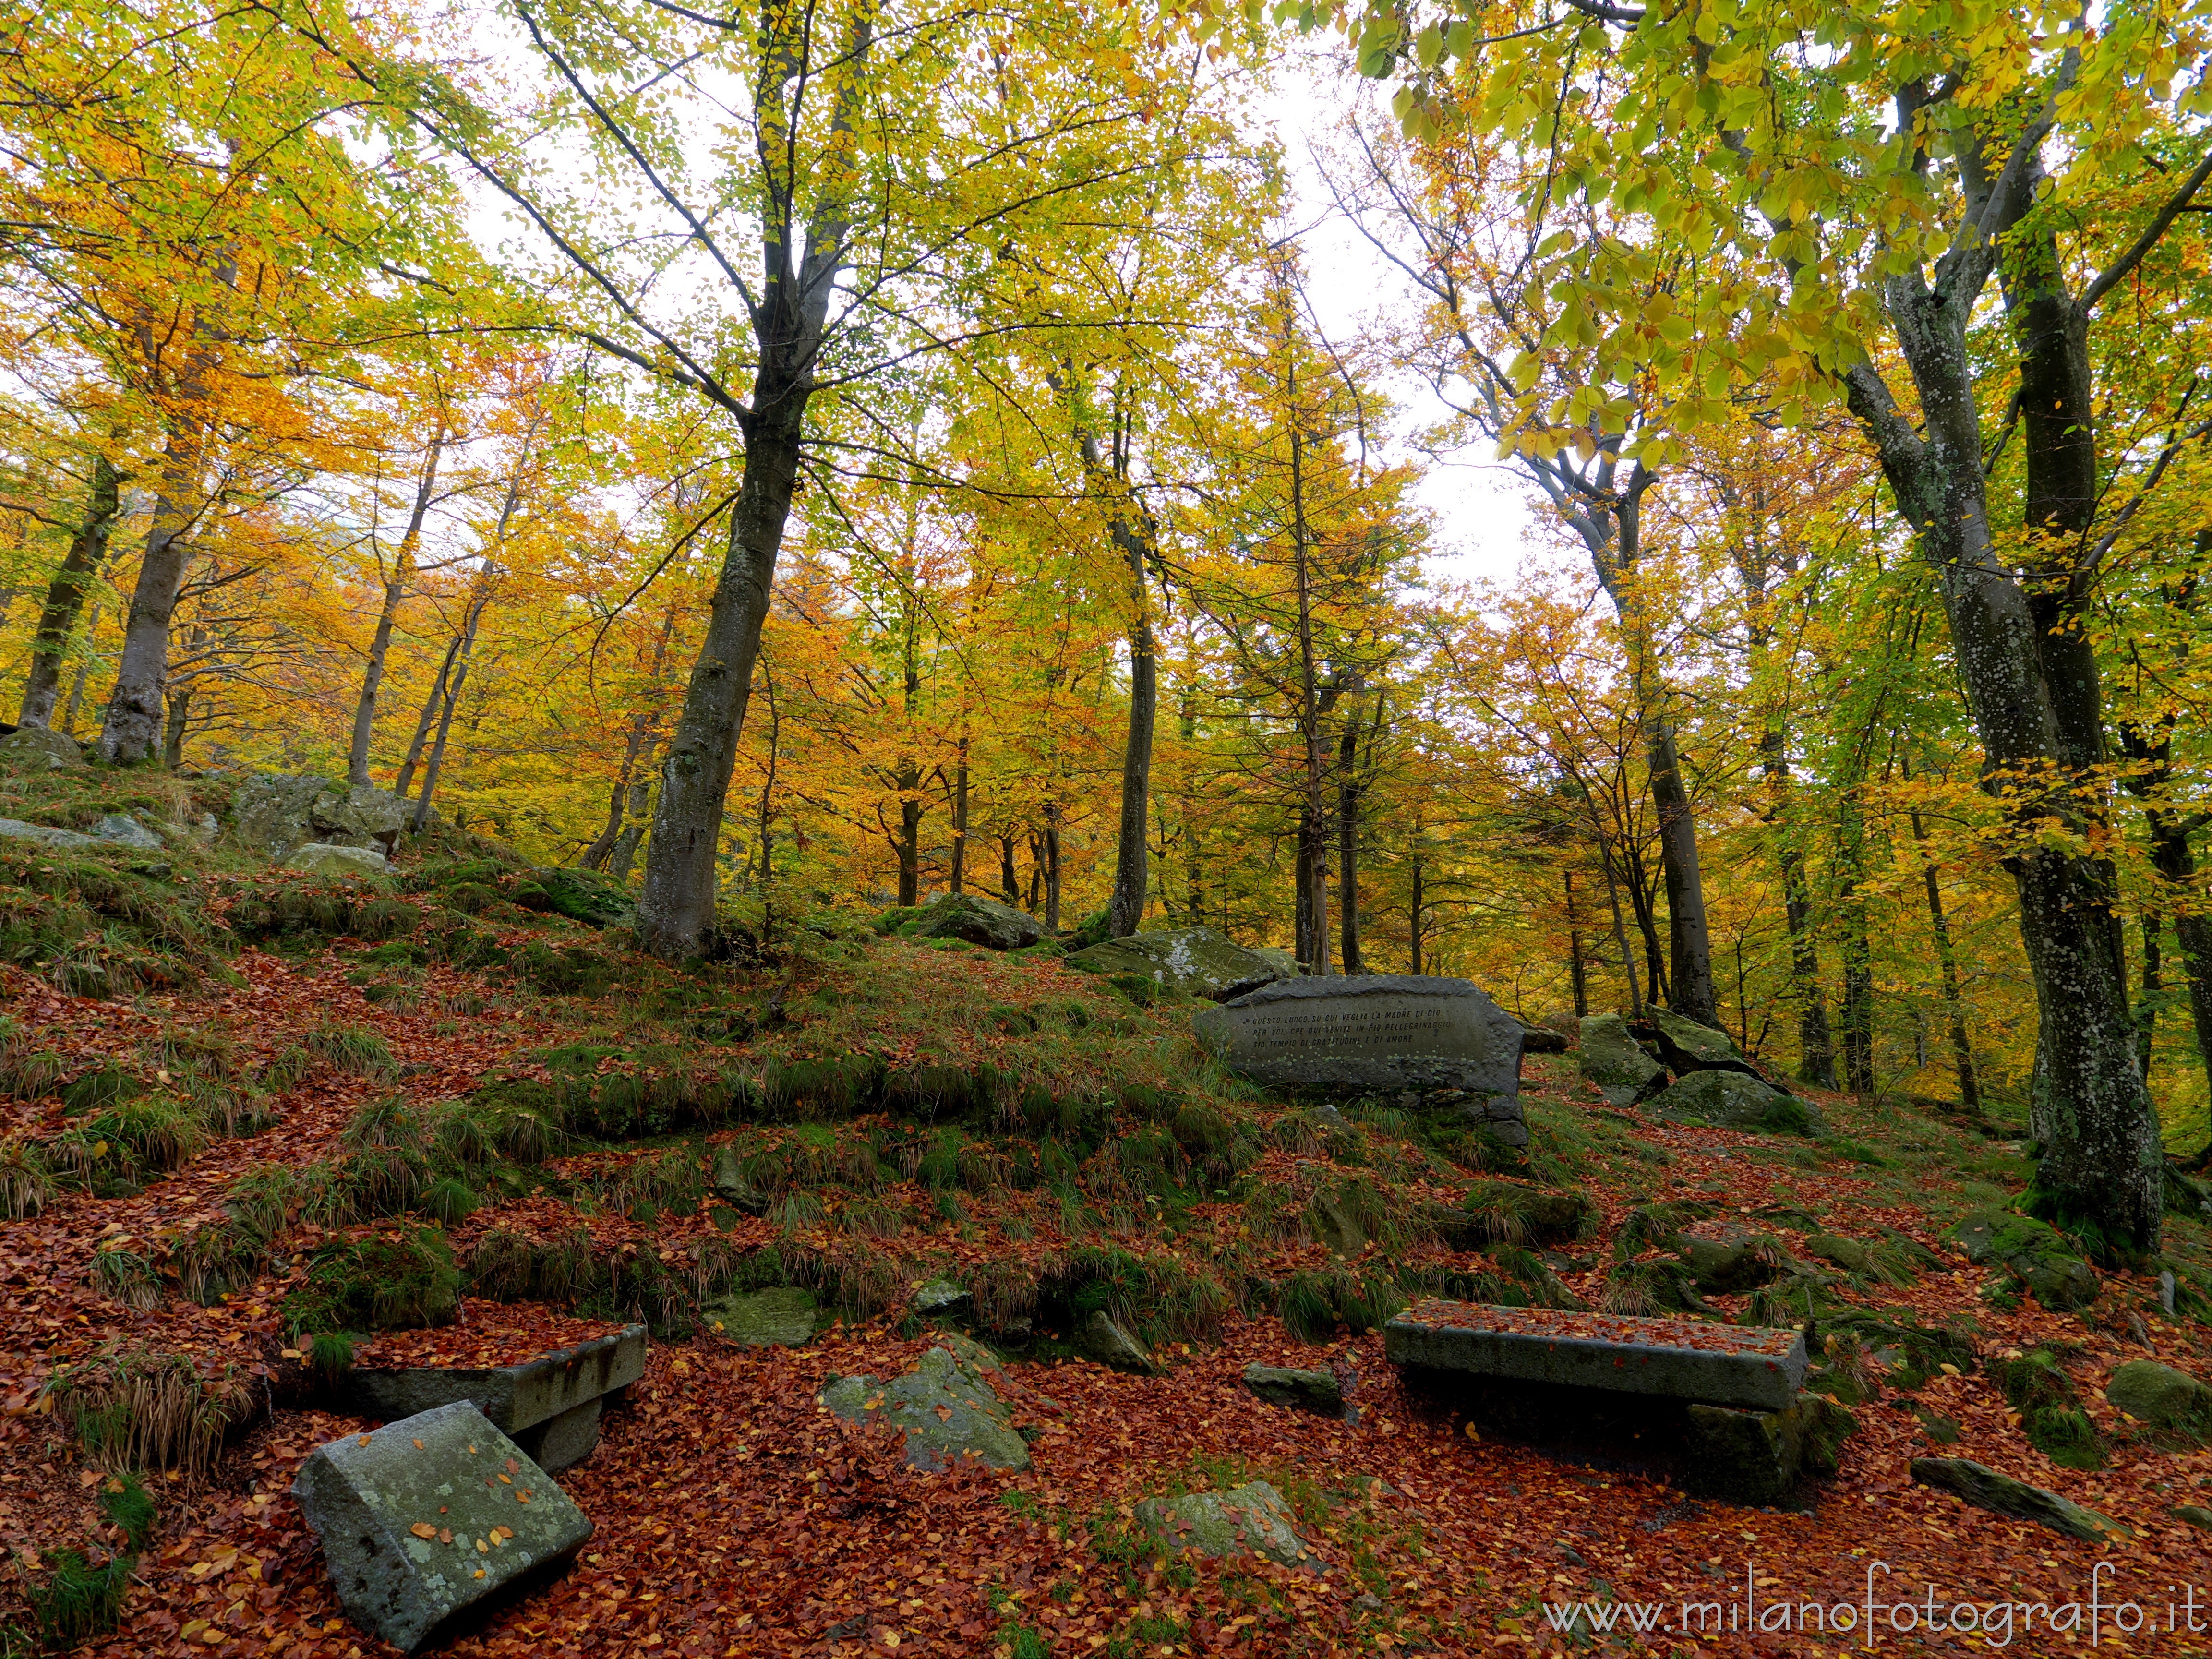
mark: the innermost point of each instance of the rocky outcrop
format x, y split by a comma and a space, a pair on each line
2167, 1401
322, 859
1615, 1063
39, 749
1733, 1100
1196, 961
2036, 1252
47, 835
272, 813
970, 917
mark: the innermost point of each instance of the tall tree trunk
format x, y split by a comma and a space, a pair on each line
1131, 880
1416, 909
83, 671
959, 871
2146, 1010
173, 736
437, 761
395, 590
87, 549
2101, 1156
1857, 1022
1347, 842
1689, 942
426, 719
1010, 881
907, 844
1946, 962
676, 908
1575, 975
1051, 867
137, 705
1313, 948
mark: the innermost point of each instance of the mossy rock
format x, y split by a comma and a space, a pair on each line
582, 895
2038, 1253
968, 917
378, 1284
1251, 1519
1195, 960
781, 1317
1615, 1063
1732, 1100
1849, 1255
1731, 1269
2172, 1404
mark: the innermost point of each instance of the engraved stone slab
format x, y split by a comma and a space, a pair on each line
1384, 1033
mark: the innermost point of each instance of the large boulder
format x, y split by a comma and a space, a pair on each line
584, 896
1615, 1063
40, 749
322, 859
1686, 1046
1985, 1488
947, 1409
272, 812
974, 919
2163, 1399
1248, 1520
1196, 961
2037, 1252
1101, 1337
422, 1519
1733, 1100
126, 831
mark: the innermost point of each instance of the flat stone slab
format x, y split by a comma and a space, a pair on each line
781, 1317
517, 1399
428, 1515
1681, 1358
1382, 1032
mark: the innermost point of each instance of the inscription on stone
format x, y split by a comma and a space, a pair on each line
1383, 1034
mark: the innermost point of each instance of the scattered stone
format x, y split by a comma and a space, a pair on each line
1541, 1039
1682, 1358
322, 858
1984, 1488
1335, 1225
732, 1186
1755, 1457
1616, 1062
1196, 961
2167, 1286
784, 1317
426, 1516
1383, 1032
1851, 1255
948, 1411
1732, 1100
359, 817
2162, 1399
1731, 1269
2195, 1515
1280, 1385
1686, 1046
40, 749
1247, 1520
940, 1298
207, 828
1101, 1338
68, 840
127, 831
1502, 1212
2034, 1250
549, 1405
971, 917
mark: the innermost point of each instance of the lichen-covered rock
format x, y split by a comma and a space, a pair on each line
1196, 961
360, 815
1283, 1385
1756, 1457
40, 749
1732, 1268
1985, 1488
2163, 1399
1686, 1046
320, 858
782, 1318
273, 812
45, 835
731, 1185
428, 1516
1101, 1337
126, 831
1252, 1519
977, 919
2037, 1252
948, 1411
1615, 1063
1849, 1255
1732, 1100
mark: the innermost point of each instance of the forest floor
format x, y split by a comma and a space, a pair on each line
280, 1069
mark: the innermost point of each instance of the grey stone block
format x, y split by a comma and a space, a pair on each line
514, 1397
562, 1442
1756, 1457
1680, 1358
428, 1517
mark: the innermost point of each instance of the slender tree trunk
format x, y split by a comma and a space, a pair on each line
1416, 905
1621, 932
1010, 881
1577, 977
1051, 867
2147, 1010
395, 590
426, 719
173, 736
1130, 878
1689, 942
1347, 844
907, 842
453, 700
88, 549
137, 707
1946, 962
1037, 872
1313, 822
958, 875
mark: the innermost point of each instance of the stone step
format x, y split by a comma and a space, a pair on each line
1677, 1358
550, 1405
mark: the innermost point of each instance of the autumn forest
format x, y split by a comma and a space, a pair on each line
722, 482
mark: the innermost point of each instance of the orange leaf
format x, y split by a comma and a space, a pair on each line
423, 1530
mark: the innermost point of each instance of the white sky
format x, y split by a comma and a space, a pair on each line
1481, 510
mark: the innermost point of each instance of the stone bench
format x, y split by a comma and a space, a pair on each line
549, 1406
1731, 1392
